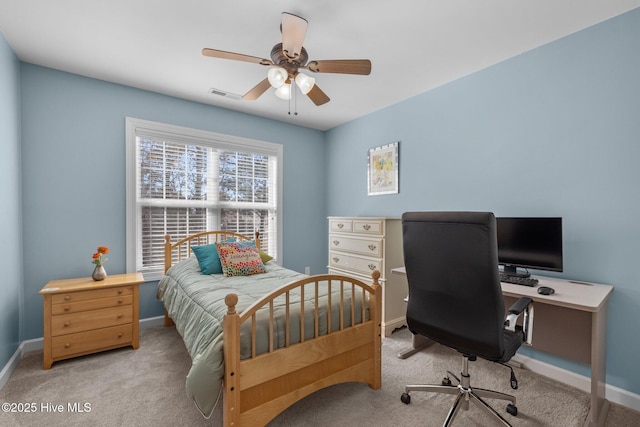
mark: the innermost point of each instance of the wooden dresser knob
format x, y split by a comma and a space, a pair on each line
119, 316
67, 345
67, 308
120, 335
67, 297
119, 291
119, 301
67, 324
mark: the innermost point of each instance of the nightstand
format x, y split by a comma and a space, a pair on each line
82, 316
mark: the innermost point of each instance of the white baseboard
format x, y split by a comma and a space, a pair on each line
612, 393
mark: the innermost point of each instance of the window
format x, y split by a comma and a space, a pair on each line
182, 181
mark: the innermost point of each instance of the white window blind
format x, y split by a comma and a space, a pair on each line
183, 181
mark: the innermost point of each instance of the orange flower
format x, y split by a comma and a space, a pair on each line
97, 257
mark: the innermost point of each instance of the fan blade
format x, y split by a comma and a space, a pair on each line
318, 96
341, 66
214, 53
257, 91
293, 30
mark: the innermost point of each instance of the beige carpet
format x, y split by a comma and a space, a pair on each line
146, 388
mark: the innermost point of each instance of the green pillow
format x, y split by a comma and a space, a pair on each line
265, 257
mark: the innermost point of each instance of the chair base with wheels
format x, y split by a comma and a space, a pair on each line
465, 394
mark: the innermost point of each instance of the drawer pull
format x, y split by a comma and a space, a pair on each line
119, 291
336, 259
67, 324
67, 308
119, 316
67, 345
372, 266
67, 297
372, 247
336, 242
340, 225
119, 301
366, 227
120, 335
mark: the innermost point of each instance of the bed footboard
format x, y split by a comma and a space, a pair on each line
341, 347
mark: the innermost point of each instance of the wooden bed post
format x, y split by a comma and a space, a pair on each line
167, 252
167, 264
377, 339
231, 334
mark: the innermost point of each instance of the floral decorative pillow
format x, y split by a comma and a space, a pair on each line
240, 259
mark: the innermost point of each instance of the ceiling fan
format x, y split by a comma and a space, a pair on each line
287, 59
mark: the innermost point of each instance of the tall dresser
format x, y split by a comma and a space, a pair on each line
357, 246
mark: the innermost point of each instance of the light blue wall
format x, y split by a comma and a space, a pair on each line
10, 203
551, 132
73, 147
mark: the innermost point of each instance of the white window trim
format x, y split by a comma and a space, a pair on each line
134, 126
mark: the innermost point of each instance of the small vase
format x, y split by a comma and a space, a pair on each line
99, 273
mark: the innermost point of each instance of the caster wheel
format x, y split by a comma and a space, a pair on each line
446, 381
405, 398
512, 409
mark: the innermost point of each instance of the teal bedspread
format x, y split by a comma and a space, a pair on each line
195, 302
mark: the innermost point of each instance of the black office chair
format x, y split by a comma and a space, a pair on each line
455, 299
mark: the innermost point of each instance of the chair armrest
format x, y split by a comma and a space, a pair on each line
520, 305
523, 304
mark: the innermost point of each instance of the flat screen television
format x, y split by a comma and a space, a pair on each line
534, 243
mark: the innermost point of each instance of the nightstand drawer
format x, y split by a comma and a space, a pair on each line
75, 307
372, 247
94, 294
87, 342
87, 320
361, 265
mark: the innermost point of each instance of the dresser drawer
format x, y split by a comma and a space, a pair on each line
88, 295
87, 320
364, 246
360, 265
340, 225
74, 307
373, 226
88, 342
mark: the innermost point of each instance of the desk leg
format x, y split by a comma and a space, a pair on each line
418, 342
599, 405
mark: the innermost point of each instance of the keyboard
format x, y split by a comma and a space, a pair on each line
524, 281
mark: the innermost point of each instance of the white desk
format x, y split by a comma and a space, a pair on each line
570, 323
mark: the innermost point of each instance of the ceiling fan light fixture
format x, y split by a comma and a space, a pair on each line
284, 92
305, 83
277, 76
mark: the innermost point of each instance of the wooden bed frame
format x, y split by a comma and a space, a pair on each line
258, 388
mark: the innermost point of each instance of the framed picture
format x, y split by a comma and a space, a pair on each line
382, 169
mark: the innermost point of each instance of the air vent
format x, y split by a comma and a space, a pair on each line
226, 94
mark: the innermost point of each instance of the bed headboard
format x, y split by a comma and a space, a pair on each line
182, 248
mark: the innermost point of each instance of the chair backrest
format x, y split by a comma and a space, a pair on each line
455, 297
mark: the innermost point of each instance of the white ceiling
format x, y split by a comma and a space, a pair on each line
413, 45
